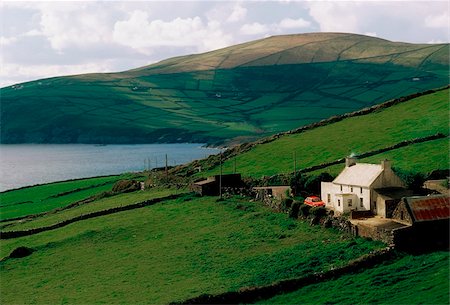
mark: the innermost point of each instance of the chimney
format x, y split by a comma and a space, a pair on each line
386, 164
350, 161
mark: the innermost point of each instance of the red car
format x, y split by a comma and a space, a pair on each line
314, 201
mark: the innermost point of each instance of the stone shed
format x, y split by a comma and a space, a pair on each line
210, 186
427, 219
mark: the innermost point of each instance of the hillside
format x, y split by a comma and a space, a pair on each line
415, 118
166, 252
238, 93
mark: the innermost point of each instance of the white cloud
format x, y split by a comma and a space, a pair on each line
289, 23
139, 33
439, 21
257, 28
335, 16
15, 73
4, 41
254, 28
239, 12
373, 34
74, 25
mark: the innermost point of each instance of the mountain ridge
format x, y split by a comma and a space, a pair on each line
240, 92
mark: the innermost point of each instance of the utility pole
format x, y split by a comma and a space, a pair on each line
220, 177
295, 164
167, 171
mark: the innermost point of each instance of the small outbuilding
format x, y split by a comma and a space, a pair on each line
272, 192
211, 186
428, 220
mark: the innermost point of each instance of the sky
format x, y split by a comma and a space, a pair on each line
53, 38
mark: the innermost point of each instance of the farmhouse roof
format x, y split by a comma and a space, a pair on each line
360, 174
426, 208
393, 192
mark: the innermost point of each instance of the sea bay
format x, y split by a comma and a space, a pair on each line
29, 164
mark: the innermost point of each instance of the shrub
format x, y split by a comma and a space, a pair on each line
293, 212
413, 180
304, 210
20, 252
286, 204
318, 211
125, 186
313, 183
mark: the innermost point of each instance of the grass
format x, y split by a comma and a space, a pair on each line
250, 90
422, 279
97, 205
411, 158
42, 198
419, 117
170, 251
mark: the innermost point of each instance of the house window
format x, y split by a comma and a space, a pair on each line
360, 190
401, 215
328, 198
361, 202
349, 202
341, 188
351, 189
339, 202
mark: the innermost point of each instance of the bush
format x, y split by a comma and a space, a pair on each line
414, 180
286, 204
293, 212
313, 183
318, 211
304, 210
125, 186
20, 252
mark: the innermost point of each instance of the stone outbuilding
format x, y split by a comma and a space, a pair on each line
273, 192
355, 188
210, 186
427, 219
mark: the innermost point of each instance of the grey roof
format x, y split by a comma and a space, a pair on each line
360, 174
394, 192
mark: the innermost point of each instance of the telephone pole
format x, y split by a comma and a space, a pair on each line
220, 177
167, 171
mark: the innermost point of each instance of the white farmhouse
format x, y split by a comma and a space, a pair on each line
358, 186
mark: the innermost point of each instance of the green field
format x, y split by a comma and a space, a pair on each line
37, 199
419, 117
170, 251
422, 279
244, 91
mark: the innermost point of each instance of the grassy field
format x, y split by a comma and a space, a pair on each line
419, 117
246, 91
169, 251
422, 279
37, 199
97, 205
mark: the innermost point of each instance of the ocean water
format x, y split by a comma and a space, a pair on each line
30, 164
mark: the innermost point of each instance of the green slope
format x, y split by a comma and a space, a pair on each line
169, 252
419, 117
241, 92
419, 279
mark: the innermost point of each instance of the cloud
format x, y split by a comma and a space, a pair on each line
254, 28
15, 73
257, 28
335, 16
439, 21
139, 33
71, 25
4, 41
239, 12
289, 23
